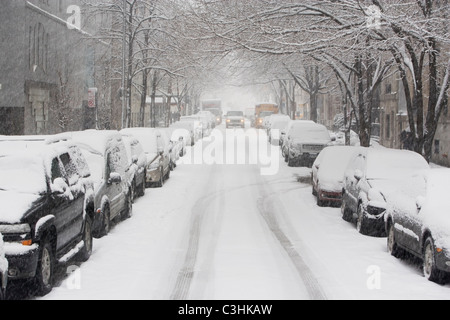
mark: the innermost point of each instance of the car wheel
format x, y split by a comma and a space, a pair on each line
392, 247
143, 185
128, 206
361, 224
167, 176
45, 268
133, 190
86, 252
106, 222
347, 214
430, 270
160, 183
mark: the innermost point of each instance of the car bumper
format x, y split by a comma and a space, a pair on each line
22, 260
443, 260
377, 225
330, 196
305, 158
153, 175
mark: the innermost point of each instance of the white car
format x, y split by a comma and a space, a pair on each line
417, 221
327, 174
106, 155
284, 133
373, 176
305, 142
276, 126
187, 130
157, 151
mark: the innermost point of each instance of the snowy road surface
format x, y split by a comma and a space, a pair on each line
225, 231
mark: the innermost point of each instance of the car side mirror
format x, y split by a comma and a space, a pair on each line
419, 203
59, 186
358, 174
114, 177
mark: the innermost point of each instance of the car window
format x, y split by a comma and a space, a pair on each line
70, 169
116, 160
57, 171
80, 162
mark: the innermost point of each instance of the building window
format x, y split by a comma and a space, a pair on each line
388, 88
38, 47
437, 148
388, 126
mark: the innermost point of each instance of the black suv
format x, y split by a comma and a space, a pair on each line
47, 207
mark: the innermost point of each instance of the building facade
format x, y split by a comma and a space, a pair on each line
47, 69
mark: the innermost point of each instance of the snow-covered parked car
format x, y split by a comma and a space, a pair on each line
157, 153
417, 221
277, 124
47, 207
209, 116
136, 165
182, 138
269, 121
305, 142
190, 133
3, 270
284, 134
173, 146
199, 129
373, 176
106, 155
327, 174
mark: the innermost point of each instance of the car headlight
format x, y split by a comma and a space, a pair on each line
17, 233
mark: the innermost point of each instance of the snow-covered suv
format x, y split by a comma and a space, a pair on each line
46, 211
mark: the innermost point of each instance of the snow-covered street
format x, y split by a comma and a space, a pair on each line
227, 232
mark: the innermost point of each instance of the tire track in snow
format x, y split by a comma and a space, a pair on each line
188, 269
269, 211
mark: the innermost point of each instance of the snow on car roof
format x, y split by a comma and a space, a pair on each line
147, 137
386, 163
98, 140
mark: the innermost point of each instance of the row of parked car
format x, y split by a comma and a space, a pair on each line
384, 192
393, 194
59, 192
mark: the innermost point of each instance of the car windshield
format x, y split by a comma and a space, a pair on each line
235, 114
23, 174
265, 114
